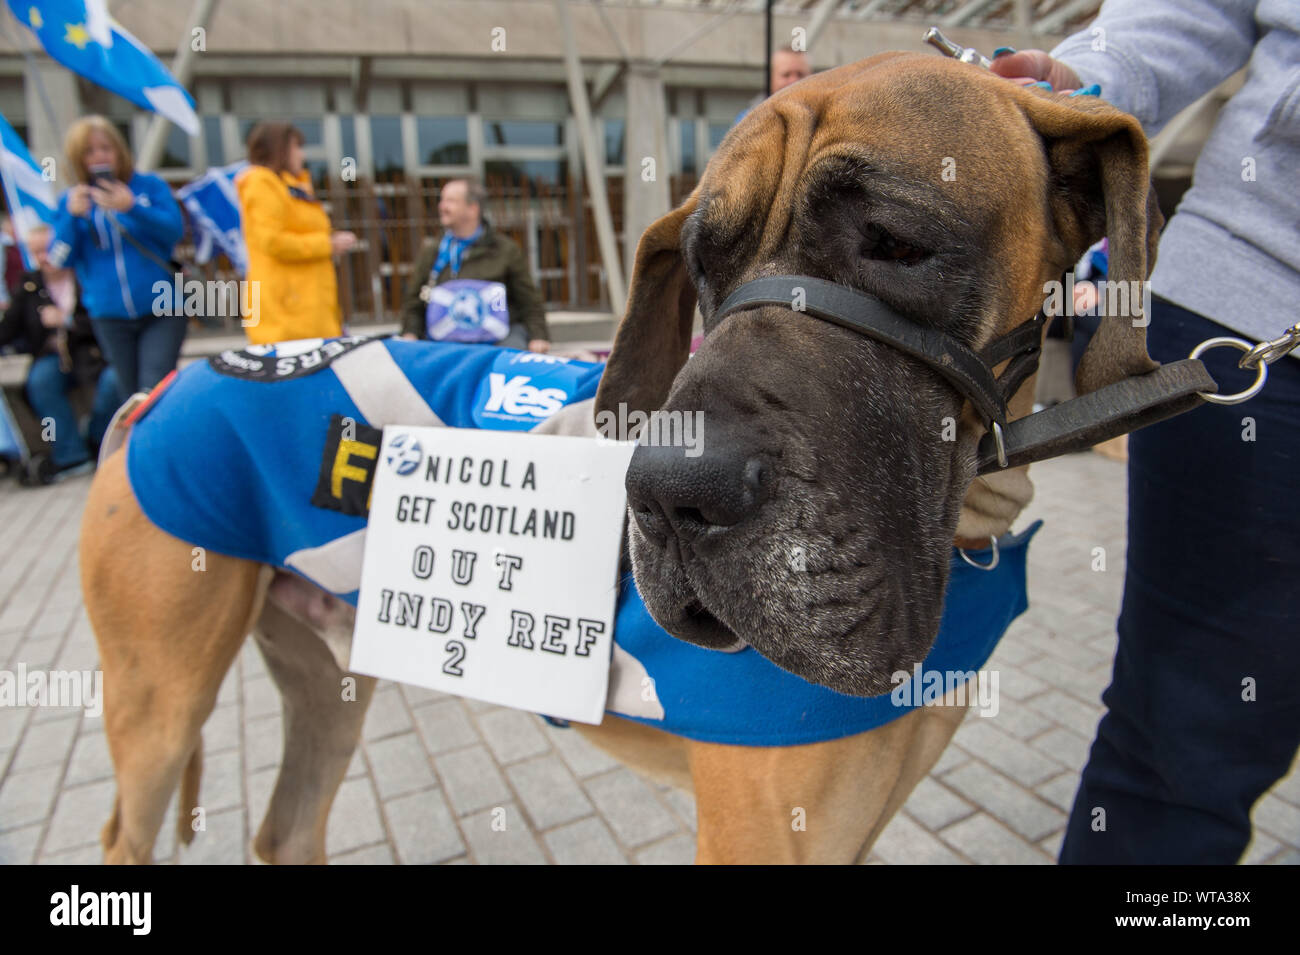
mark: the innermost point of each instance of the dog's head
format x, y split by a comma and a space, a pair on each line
817, 523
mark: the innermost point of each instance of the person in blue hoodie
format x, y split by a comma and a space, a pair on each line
1203, 710
116, 228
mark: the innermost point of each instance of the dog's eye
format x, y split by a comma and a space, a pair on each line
881, 245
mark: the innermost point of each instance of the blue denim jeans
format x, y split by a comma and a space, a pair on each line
1203, 709
142, 350
47, 390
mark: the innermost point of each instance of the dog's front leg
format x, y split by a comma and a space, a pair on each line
324, 709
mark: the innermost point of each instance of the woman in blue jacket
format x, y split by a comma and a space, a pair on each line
116, 227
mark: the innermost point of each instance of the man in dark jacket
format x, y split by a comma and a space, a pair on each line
48, 320
470, 249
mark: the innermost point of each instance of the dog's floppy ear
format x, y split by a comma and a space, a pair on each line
654, 337
1100, 186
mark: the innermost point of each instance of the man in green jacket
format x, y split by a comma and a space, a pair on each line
471, 249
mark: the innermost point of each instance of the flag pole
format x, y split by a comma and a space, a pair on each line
597, 188
182, 66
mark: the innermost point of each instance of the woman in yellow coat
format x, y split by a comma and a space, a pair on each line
293, 292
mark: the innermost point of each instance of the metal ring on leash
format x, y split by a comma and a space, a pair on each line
991, 564
1240, 396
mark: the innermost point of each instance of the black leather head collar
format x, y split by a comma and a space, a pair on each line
971, 373
1073, 425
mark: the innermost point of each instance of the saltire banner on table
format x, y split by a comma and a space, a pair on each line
82, 36
28, 195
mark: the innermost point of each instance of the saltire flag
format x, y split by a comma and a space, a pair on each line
12, 445
29, 196
213, 205
82, 36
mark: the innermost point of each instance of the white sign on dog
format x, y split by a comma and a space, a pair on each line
491, 567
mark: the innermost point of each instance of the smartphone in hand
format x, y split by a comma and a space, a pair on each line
101, 175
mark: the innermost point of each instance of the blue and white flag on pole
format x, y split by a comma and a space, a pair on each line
213, 205
28, 195
82, 36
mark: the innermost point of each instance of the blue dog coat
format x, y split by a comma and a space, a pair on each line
238, 456
229, 456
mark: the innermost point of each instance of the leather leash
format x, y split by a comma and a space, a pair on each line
1073, 425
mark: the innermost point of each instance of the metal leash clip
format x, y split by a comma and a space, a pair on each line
1269, 352
965, 54
1256, 356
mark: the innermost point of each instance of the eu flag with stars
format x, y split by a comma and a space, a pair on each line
83, 37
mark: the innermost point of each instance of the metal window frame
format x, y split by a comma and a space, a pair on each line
447, 170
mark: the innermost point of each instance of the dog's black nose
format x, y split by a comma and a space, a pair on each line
674, 495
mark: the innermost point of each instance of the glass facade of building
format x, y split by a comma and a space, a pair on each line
378, 153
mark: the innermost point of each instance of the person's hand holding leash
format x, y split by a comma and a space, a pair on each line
539, 345
1034, 66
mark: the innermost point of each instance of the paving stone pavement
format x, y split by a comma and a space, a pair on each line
443, 780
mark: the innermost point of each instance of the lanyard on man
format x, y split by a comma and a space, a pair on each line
451, 250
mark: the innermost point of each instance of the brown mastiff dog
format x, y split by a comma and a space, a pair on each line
946, 192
